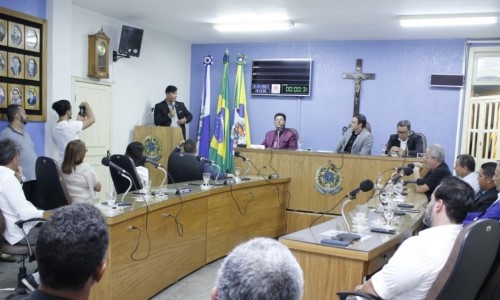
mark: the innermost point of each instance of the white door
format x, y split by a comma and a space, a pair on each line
97, 137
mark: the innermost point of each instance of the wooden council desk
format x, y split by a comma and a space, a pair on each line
305, 202
152, 247
330, 269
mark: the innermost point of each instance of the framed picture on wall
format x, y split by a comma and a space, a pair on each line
16, 35
31, 71
23, 72
32, 39
15, 94
3, 95
3, 63
32, 101
16, 65
3, 33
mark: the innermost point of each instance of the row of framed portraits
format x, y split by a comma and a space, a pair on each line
19, 66
27, 96
19, 36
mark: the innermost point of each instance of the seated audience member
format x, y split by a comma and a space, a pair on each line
412, 270
259, 269
281, 137
465, 167
493, 211
71, 252
404, 143
488, 191
66, 129
13, 203
135, 152
357, 139
80, 179
189, 147
438, 169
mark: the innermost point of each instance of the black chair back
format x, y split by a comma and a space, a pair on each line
121, 183
469, 262
183, 167
52, 191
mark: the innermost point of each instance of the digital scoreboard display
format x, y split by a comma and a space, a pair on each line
281, 77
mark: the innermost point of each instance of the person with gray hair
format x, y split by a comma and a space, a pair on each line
71, 252
259, 269
438, 169
404, 142
465, 167
13, 203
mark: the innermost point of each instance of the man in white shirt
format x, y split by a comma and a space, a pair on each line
464, 168
412, 270
66, 129
13, 203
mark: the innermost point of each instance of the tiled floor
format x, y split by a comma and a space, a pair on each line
196, 286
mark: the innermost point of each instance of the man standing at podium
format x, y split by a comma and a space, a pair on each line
172, 113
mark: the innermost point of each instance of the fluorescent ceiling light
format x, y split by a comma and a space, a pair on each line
447, 20
253, 26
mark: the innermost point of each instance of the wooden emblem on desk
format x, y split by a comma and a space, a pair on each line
98, 64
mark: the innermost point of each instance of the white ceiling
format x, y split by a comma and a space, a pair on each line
315, 20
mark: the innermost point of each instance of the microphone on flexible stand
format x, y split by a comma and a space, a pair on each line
405, 172
344, 129
205, 160
409, 166
157, 166
419, 181
108, 163
365, 186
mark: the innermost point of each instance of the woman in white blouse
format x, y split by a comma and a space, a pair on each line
135, 152
80, 179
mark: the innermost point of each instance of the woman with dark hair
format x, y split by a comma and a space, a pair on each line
135, 152
80, 179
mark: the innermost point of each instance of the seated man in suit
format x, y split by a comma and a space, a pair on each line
281, 137
414, 267
261, 268
487, 189
189, 160
465, 167
357, 139
405, 142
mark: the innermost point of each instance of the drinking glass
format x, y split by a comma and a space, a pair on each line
300, 143
146, 185
389, 210
206, 178
111, 198
384, 147
237, 171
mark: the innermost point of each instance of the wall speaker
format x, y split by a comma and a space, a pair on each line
447, 80
130, 41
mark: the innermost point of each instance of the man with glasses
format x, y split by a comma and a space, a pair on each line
404, 143
438, 169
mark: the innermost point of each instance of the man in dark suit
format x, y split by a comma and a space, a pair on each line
487, 189
172, 113
405, 142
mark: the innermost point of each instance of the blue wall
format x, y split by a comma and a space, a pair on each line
400, 91
35, 8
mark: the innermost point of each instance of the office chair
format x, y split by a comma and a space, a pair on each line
53, 193
25, 252
424, 139
467, 265
183, 167
121, 183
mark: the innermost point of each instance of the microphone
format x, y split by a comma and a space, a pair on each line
205, 160
409, 166
344, 129
405, 172
151, 161
238, 154
108, 163
365, 186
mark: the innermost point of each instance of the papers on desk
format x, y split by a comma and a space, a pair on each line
333, 232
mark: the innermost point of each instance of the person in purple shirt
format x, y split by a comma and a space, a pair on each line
281, 137
493, 212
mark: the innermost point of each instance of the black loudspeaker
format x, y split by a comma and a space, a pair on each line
130, 41
448, 80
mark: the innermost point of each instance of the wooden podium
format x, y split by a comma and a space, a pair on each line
161, 140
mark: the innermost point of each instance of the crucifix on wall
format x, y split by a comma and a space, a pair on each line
358, 76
